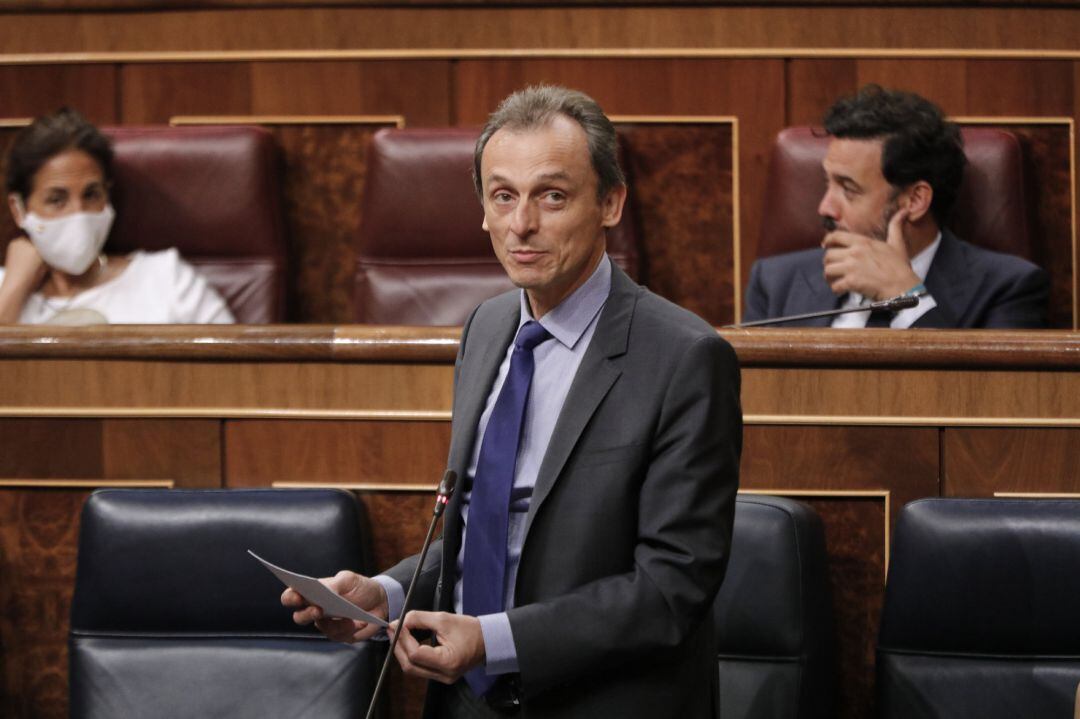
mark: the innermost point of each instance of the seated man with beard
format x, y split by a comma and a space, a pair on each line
892, 172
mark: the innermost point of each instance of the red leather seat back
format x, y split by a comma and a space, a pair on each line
423, 257
990, 210
214, 193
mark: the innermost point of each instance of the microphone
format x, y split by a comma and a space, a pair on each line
442, 498
893, 304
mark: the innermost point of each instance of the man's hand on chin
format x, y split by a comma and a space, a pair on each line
874, 269
459, 646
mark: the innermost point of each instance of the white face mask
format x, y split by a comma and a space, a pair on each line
70, 243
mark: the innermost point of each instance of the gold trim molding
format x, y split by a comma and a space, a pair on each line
1037, 495
390, 415
397, 121
394, 487
534, 53
891, 421
87, 484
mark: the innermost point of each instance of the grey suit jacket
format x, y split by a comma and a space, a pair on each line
973, 288
629, 528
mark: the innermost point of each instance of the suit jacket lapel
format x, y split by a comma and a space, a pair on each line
810, 293
949, 279
597, 373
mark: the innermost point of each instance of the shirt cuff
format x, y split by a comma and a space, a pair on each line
906, 318
395, 595
498, 644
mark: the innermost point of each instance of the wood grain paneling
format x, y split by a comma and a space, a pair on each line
153, 93
38, 539
1047, 164
850, 26
259, 453
941, 81
30, 91
55, 449
688, 245
812, 85
1040, 88
903, 460
981, 461
218, 387
935, 397
186, 451
419, 90
855, 542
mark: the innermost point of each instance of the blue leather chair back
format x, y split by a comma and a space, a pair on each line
980, 616
773, 615
172, 618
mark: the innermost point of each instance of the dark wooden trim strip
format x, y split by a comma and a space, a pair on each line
967, 349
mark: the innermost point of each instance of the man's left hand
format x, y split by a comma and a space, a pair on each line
874, 269
459, 646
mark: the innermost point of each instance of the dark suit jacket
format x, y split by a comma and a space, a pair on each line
629, 528
973, 288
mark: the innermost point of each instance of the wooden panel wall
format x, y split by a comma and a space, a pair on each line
601, 25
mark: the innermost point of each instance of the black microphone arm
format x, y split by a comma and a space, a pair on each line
442, 498
900, 302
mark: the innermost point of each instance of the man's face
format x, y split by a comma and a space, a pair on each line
857, 196
540, 206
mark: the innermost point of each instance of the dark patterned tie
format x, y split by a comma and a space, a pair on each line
880, 318
484, 565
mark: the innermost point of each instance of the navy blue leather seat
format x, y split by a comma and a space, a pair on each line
980, 616
773, 615
172, 618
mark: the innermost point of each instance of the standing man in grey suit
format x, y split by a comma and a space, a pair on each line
583, 589
892, 173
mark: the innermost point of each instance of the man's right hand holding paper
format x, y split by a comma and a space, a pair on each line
362, 591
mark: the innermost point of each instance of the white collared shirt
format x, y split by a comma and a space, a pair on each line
920, 265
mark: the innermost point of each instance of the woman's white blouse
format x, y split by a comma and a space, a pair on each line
155, 288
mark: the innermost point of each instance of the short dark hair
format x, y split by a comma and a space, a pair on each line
918, 142
538, 105
47, 137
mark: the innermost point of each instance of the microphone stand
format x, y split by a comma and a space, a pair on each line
442, 498
901, 302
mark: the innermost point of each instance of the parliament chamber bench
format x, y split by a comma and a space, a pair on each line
856, 424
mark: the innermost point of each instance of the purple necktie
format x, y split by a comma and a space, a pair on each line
484, 566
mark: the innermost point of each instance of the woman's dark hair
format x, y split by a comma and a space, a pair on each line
47, 137
918, 142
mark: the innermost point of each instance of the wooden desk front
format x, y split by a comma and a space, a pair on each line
856, 423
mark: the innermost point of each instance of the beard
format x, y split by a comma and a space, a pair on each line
881, 230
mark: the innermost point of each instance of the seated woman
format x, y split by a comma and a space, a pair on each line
58, 174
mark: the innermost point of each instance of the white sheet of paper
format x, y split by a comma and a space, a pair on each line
320, 595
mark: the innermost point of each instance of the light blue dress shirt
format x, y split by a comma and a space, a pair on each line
571, 324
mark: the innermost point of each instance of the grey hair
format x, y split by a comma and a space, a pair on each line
538, 105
